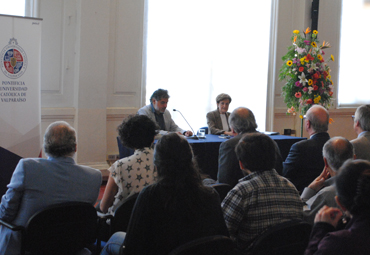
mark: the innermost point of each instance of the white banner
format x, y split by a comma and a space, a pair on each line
20, 112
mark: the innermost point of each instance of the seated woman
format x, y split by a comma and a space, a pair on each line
218, 120
353, 197
173, 211
131, 174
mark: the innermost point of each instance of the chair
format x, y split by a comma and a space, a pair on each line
290, 237
58, 229
222, 189
119, 221
209, 245
123, 151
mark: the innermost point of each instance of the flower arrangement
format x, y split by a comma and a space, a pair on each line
307, 75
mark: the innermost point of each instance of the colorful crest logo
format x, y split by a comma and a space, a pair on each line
13, 60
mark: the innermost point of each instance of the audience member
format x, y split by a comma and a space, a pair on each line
218, 120
130, 175
362, 128
261, 199
353, 197
242, 121
175, 210
304, 161
37, 183
158, 113
335, 152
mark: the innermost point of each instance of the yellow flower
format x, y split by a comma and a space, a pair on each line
296, 32
301, 116
315, 32
307, 30
331, 81
332, 57
310, 82
317, 100
314, 44
329, 77
289, 62
319, 57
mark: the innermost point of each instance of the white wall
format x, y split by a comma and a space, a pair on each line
93, 66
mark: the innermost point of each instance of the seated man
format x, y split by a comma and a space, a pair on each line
262, 198
37, 183
362, 128
242, 121
335, 152
304, 161
158, 113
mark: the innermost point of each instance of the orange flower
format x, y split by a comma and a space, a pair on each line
301, 69
307, 30
315, 87
331, 120
295, 39
309, 101
298, 94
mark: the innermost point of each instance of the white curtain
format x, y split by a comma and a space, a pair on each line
197, 49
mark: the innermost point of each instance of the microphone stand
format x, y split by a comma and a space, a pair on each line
194, 135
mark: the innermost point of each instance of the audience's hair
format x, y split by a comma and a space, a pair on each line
319, 122
60, 140
137, 131
177, 170
222, 97
336, 151
362, 115
256, 151
159, 94
242, 120
353, 186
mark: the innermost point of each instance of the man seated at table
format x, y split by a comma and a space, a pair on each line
322, 190
261, 199
242, 121
158, 113
37, 183
304, 161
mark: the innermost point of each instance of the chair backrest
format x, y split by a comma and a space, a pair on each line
122, 215
209, 245
290, 237
222, 189
206, 128
123, 150
61, 229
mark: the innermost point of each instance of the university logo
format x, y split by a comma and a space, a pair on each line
13, 60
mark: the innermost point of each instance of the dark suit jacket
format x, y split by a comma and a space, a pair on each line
228, 165
304, 162
214, 122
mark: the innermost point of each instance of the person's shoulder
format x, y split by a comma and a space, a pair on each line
144, 110
212, 113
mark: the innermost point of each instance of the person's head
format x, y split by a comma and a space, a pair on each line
353, 187
137, 131
336, 151
242, 120
60, 140
223, 101
256, 152
317, 119
173, 158
362, 118
159, 100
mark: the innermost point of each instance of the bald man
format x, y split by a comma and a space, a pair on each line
304, 162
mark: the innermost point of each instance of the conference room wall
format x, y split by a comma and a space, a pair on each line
93, 69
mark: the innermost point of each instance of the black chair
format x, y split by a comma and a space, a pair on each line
209, 245
290, 237
222, 189
119, 221
59, 229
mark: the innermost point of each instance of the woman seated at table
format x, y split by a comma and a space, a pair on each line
218, 120
353, 197
173, 211
130, 175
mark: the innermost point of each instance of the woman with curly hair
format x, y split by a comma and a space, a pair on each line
130, 175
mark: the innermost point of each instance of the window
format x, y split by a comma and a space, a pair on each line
354, 56
13, 7
197, 49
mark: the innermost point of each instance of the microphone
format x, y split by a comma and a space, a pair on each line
190, 137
